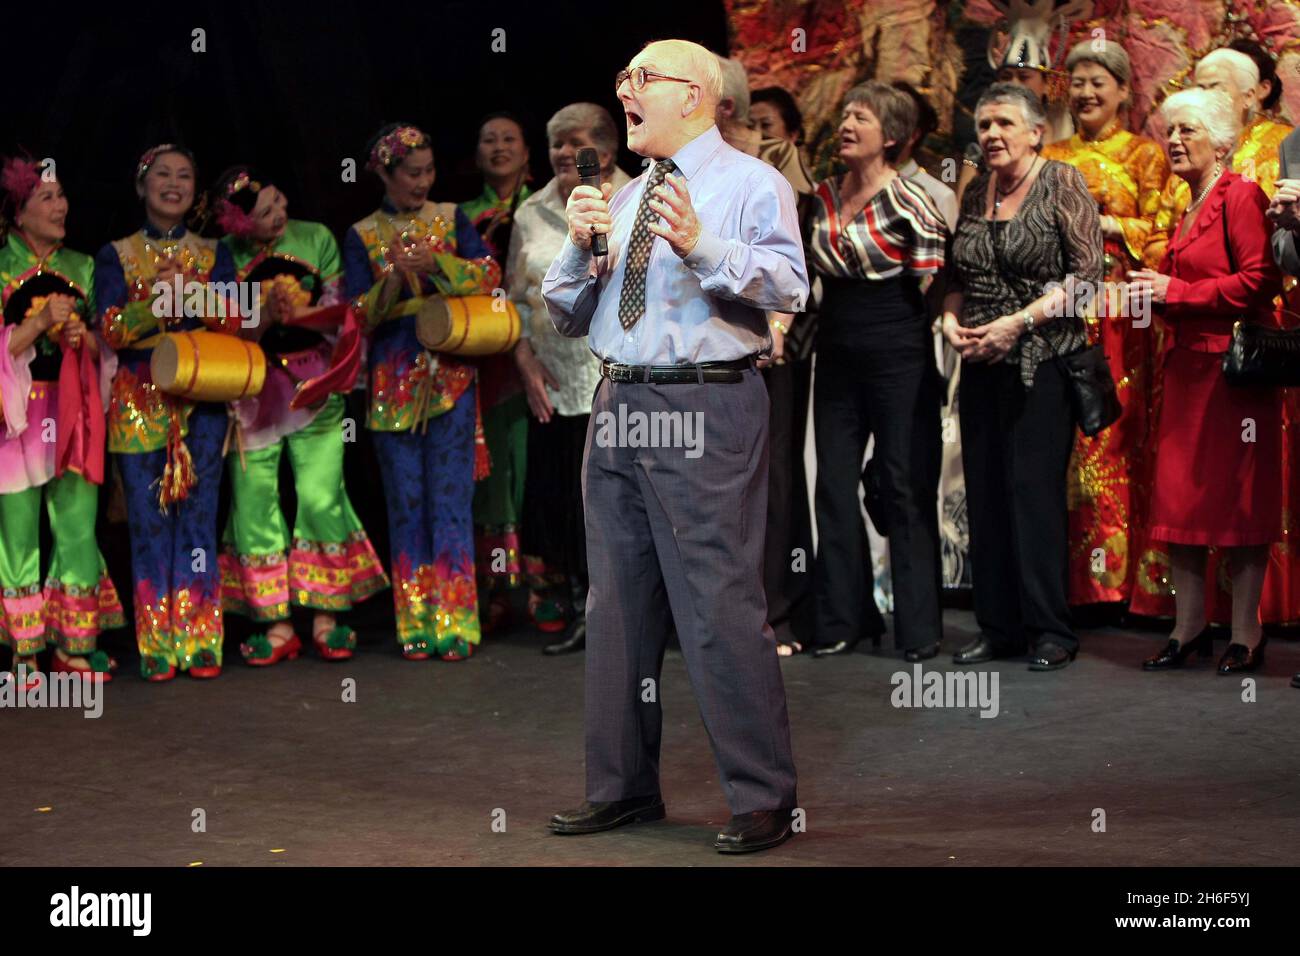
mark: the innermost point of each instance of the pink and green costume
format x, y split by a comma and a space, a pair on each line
424, 415
76, 599
328, 563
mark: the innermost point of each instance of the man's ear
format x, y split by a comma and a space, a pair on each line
692, 102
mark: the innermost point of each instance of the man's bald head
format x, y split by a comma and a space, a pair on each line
690, 60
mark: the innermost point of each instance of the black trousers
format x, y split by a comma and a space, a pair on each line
1015, 452
553, 526
875, 376
786, 575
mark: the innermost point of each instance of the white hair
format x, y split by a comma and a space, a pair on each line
1244, 72
701, 62
735, 86
1212, 111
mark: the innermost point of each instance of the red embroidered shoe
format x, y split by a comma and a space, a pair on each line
32, 678
100, 663
417, 650
260, 652
205, 666
336, 643
156, 669
461, 650
547, 616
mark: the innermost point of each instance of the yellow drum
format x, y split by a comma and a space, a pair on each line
208, 366
468, 325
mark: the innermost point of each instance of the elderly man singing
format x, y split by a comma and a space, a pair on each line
701, 246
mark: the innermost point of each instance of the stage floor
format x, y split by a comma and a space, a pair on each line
417, 770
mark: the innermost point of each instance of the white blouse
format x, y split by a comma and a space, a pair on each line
538, 235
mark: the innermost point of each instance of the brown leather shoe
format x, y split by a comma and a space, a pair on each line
595, 817
759, 830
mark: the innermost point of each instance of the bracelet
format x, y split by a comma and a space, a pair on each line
779, 326
1029, 320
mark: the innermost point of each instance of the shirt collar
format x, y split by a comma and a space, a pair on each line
908, 169
153, 232
691, 157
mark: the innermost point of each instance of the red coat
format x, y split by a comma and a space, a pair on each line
1218, 475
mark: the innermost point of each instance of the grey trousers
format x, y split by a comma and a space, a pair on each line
675, 536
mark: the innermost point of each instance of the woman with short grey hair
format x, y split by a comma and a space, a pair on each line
1028, 227
559, 374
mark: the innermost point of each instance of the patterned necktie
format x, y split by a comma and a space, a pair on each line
631, 301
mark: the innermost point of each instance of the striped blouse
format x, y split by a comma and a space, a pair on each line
899, 230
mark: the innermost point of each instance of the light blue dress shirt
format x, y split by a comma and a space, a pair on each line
710, 306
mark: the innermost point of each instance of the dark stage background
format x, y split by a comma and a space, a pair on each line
296, 89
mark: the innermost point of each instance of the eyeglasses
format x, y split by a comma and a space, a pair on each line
640, 76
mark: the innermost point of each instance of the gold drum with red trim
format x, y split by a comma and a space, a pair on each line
468, 324
208, 366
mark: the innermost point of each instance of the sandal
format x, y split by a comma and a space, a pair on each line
100, 663
336, 643
260, 652
33, 679
788, 650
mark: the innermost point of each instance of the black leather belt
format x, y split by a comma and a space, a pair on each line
678, 374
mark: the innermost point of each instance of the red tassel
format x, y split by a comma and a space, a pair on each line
482, 460
178, 475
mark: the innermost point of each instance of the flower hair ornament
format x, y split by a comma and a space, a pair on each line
232, 217
151, 156
393, 146
18, 180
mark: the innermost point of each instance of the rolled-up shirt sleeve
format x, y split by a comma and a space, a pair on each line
764, 267
570, 290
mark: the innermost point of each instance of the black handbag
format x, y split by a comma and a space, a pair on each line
1259, 355
1092, 388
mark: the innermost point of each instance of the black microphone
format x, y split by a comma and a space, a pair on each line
589, 175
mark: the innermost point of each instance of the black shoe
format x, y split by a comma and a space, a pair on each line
978, 651
1050, 657
914, 655
843, 647
1175, 654
1238, 658
1295, 681
594, 817
839, 647
575, 639
759, 830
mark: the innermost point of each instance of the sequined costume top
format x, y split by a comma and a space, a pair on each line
408, 384
139, 414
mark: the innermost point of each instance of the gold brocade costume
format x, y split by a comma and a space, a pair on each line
1126, 174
